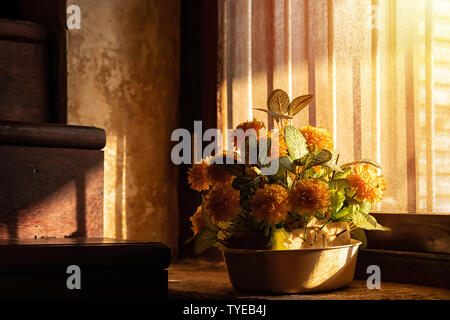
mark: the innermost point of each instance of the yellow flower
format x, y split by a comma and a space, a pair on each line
218, 176
270, 204
367, 184
198, 176
197, 221
310, 196
317, 138
222, 203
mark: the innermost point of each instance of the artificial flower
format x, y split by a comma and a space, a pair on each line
310, 196
198, 223
270, 204
222, 203
198, 176
317, 138
367, 184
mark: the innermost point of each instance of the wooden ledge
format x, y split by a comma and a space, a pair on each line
51, 135
34, 257
194, 280
22, 31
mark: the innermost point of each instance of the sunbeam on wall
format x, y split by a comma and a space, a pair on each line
123, 67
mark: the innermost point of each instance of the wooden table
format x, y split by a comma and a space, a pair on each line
202, 280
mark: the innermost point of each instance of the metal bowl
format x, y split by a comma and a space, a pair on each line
292, 271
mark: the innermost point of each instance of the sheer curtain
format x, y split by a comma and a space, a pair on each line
379, 71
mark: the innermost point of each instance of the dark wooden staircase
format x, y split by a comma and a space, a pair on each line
51, 184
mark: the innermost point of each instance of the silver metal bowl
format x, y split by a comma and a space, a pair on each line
292, 271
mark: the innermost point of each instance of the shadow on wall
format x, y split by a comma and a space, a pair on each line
123, 76
48, 192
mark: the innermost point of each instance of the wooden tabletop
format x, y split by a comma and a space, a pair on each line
203, 280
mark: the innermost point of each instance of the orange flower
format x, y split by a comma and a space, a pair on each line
310, 196
367, 184
197, 221
198, 176
222, 203
255, 125
270, 203
317, 138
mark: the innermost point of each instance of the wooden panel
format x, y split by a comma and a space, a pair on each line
135, 283
24, 81
404, 267
412, 232
51, 135
49, 192
22, 31
52, 14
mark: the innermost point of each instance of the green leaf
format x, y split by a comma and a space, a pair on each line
338, 184
241, 183
278, 101
296, 142
289, 181
206, 217
286, 163
204, 240
368, 222
301, 161
318, 157
274, 114
343, 174
299, 103
337, 201
365, 207
345, 213
333, 163
360, 235
367, 161
365, 221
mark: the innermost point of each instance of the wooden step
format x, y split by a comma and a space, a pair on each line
51, 182
37, 269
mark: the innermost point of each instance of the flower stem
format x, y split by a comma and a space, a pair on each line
325, 224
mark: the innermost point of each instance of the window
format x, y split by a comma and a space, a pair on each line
380, 73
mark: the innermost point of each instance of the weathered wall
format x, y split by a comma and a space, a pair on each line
123, 76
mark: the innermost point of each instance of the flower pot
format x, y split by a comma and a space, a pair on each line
291, 271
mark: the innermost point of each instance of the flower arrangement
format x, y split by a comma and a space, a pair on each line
311, 201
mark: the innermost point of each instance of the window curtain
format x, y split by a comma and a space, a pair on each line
379, 71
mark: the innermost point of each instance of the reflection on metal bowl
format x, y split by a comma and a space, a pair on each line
292, 271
